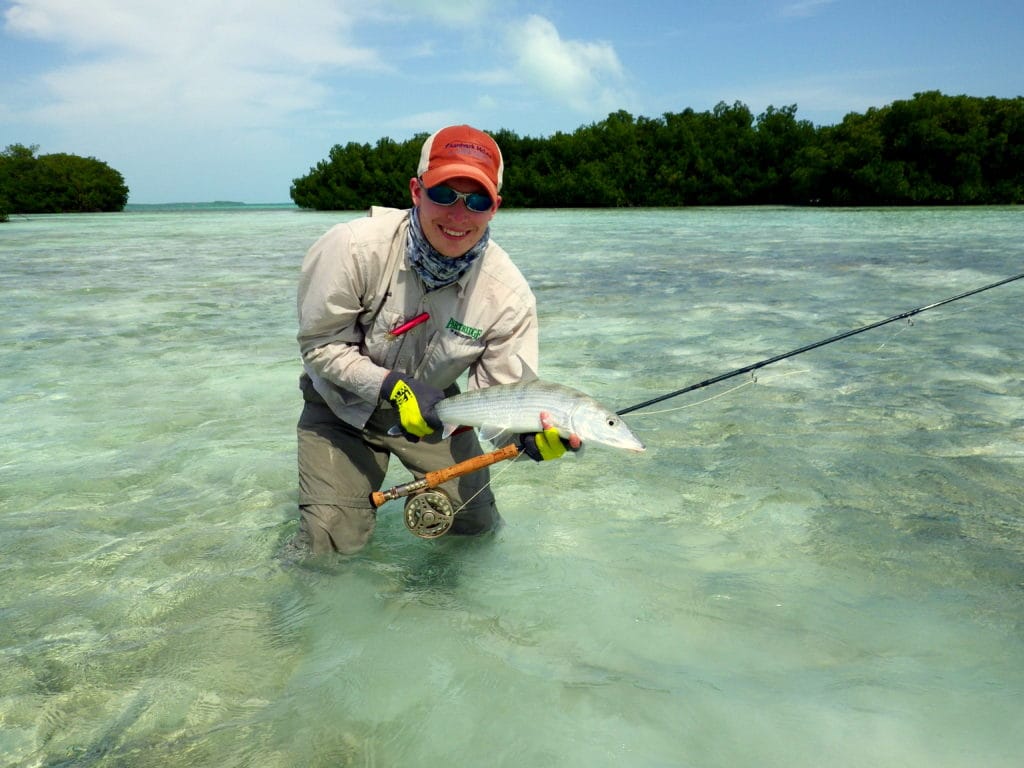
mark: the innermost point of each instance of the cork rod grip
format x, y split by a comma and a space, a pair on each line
435, 478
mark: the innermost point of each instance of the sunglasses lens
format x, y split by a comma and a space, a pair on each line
478, 202
442, 195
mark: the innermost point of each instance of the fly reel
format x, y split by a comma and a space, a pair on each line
429, 514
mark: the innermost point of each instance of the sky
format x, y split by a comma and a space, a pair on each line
203, 100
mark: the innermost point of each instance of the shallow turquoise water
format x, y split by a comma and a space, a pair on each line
826, 563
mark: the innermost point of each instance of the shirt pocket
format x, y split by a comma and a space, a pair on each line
446, 357
380, 346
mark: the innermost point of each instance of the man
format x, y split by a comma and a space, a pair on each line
393, 309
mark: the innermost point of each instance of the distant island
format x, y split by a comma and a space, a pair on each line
57, 183
932, 149
213, 204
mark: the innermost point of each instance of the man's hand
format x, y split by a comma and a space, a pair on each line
547, 444
414, 401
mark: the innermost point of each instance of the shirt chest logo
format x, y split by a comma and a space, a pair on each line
463, 330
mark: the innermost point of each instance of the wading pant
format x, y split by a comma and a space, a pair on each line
340, 466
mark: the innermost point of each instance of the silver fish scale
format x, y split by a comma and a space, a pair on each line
515, 407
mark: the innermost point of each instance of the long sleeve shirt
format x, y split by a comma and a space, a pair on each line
356, 286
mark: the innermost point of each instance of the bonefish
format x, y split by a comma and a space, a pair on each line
514, 408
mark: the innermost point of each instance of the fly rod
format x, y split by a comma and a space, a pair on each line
435, 478
815, 345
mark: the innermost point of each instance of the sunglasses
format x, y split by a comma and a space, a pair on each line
478, 202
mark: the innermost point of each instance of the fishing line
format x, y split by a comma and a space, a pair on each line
494, 476
941, 319
753, 380
907, 327
816, 345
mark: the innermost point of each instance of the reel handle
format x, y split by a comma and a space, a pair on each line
438, 476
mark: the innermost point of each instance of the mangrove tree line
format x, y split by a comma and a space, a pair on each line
57, 183
933, 149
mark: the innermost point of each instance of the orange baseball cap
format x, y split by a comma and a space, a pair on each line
462, 151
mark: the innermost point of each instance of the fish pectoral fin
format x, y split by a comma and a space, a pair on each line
492, 434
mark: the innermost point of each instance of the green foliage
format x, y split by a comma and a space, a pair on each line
358, 175
930, 150
58, 183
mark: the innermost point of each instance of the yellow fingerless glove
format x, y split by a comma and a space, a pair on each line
414, 402
543, 446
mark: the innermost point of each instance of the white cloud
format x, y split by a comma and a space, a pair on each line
234, 63
582, 75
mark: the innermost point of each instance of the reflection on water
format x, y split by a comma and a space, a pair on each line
822, 559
